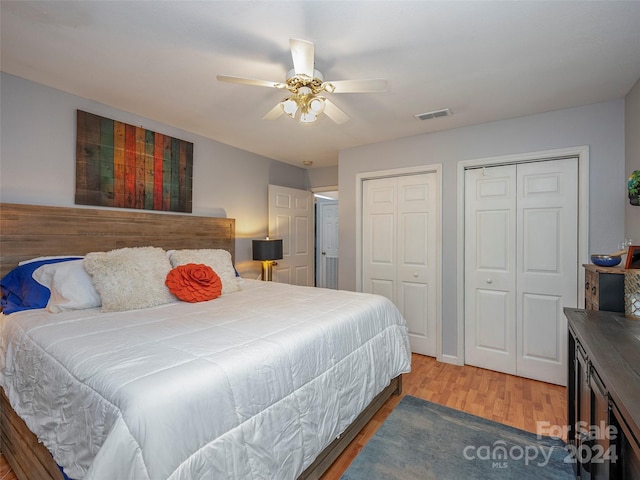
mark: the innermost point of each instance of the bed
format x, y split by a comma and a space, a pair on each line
244, 386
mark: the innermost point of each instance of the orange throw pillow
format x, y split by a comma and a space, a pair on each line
194, 282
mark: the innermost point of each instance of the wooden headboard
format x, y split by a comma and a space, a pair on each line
29, 231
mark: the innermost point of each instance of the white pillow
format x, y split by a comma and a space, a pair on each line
130, 278
70, 285
219, 260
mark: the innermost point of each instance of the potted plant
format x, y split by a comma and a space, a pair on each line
634, 188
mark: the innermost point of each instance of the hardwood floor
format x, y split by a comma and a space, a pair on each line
515, 401
5, 471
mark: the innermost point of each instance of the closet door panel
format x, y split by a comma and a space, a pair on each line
548, 262
416, 272
379, 237
542, 338
521, 266
490, 268
399, 235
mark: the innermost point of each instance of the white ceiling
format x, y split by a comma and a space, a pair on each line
485, 60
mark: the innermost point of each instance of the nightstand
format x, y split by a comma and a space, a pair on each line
603, 288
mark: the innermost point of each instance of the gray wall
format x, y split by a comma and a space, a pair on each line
600, 126
37, 155
323, 177
632, 146
37, 166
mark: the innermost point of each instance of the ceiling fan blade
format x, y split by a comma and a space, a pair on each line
334, 113
274, 113
374, 85
250, 81
302, 52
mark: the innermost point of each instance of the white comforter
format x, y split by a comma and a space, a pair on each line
251, 385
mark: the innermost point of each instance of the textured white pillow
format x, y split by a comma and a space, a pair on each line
70, 285
219, 260
130, 278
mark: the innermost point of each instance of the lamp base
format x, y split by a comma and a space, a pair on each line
267, 270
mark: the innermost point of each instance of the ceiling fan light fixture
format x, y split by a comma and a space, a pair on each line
290, 106
308, 117
316, 105
306, 86
303, 107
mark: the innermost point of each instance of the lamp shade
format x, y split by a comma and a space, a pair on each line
268, 249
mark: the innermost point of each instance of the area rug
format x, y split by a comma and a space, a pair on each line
422, 440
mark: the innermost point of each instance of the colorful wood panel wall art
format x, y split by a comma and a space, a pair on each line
120, 165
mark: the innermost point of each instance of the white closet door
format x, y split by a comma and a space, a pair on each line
490, 268
291, 218
521, 266
547, 258
400, 231
379, 237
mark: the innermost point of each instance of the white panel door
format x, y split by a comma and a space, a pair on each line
548, 261
327, 254
521, 266
379, 238
291, 218
490, 268
400, 231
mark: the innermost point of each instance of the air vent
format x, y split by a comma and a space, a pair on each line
435, 114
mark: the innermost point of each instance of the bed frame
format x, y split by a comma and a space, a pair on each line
30, 231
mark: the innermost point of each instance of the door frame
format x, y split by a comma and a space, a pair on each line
319, 245
398, 172
316, 236
289, 244
582, 153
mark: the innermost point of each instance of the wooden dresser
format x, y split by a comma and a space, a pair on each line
604, 394
603, 288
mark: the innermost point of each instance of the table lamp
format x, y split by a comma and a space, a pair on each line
267, 251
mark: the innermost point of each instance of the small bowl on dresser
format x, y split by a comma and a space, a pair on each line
605, 260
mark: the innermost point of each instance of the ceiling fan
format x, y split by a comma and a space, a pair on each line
307, 88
